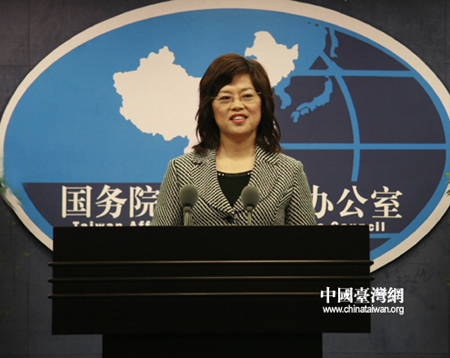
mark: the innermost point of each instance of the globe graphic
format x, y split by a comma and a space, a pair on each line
368, 140
370, 131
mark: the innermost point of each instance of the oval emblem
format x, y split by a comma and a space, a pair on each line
87, 136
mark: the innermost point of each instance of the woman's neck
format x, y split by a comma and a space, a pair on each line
235, 157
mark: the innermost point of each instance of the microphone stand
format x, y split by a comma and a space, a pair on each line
187, 216
249, 209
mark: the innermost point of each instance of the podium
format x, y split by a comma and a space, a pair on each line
207, 291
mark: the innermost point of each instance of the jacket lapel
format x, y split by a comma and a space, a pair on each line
264, 174
204, 177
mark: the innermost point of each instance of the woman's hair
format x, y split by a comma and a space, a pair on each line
221, 73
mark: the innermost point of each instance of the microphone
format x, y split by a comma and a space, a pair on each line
188, 198
250, 198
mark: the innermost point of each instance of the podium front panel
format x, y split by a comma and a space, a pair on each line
195, 280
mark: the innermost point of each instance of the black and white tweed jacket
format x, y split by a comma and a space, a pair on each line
285, 197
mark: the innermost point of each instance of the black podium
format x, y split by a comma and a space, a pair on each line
207, 291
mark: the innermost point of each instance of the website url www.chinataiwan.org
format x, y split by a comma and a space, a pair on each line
400, 310
364, 300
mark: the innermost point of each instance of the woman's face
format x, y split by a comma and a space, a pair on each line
237, 109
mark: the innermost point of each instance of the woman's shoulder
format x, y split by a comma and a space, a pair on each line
289, 160
190, 158
281, 160
289, 164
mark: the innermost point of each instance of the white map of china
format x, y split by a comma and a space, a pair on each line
160, 97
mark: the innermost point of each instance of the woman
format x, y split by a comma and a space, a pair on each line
239, 145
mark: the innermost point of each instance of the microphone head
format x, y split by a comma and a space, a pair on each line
250, 196
188, 195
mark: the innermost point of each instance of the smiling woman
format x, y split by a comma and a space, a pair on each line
228, 74
238, 146
237, 112
237, 107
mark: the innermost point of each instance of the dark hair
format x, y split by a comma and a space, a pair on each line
221, 73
